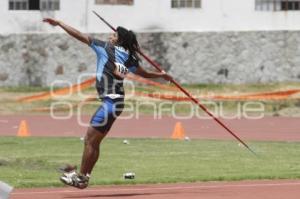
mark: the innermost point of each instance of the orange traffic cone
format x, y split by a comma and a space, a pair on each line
178, 132
23, 129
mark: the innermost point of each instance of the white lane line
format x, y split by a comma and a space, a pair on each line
160, 188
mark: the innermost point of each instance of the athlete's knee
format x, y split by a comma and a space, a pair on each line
92, 143
93, 137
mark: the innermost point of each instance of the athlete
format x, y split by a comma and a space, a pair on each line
115, 59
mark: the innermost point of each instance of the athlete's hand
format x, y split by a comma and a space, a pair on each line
166, 76
52, 22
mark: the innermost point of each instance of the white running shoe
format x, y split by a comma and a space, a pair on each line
73, 179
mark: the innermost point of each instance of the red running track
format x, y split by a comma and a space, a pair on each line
283, 189
267, 128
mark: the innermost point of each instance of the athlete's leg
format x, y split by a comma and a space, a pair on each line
90, 154
101, 123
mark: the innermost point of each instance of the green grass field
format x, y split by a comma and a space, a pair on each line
32, 162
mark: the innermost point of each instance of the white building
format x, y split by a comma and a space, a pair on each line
25, 16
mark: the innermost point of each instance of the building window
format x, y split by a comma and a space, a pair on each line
185, 3
49, 4
277, 5
114, 2
34, 4
18, 5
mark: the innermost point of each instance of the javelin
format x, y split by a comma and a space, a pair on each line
183, 90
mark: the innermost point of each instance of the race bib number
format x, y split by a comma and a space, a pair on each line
121, 70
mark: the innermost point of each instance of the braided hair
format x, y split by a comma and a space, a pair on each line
127, 39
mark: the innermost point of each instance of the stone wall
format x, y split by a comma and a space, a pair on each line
210, 57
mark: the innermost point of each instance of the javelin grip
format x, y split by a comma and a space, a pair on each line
184, 91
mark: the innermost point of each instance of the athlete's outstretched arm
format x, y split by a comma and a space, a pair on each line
147, 74
70, 30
